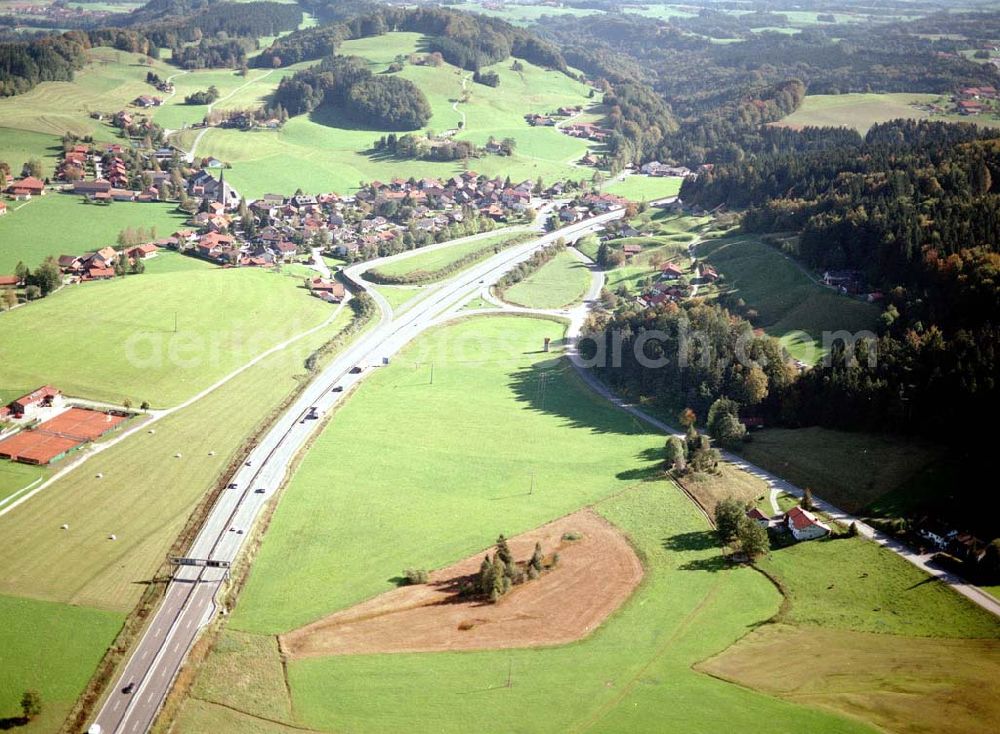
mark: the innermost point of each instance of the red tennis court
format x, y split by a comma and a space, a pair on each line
83, 424
36, 447
53, 438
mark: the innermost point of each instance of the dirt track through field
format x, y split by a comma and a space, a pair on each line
595, 574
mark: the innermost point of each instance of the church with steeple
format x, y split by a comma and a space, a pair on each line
204, 186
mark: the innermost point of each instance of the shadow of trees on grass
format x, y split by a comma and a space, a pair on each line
555, 389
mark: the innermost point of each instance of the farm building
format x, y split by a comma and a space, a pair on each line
328, 290
759, 517
670, 271
27, 187
28, 405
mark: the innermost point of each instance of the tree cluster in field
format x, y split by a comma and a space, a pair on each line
382, 102
416, 147
467, 41
41, 281
487, 78
913, 208
529, 266
692, 453
735, 529
500, 573
203, 97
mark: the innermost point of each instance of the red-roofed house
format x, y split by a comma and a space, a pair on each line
670, 271
27, 187
100, 273
803, 525
142, 252
9, 281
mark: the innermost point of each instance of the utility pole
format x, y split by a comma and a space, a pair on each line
541, 389
531, 489
175, 321
510, 672
432, 373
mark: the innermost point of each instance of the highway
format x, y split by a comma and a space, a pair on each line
190, 600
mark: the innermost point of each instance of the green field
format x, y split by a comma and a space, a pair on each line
145, 495
399, 296
326, 151
562, 281
879, 476
481, 367
53, 648
849, 470
424, 265
14, 477
61, 224
789, 304
861, 111
464, 481
106, 84
866, 633
645, 188
126, 328
467, 478
19, 146
852, 583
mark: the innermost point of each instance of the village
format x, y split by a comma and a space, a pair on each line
225, 228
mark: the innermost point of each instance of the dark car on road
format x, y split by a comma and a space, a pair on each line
130, 687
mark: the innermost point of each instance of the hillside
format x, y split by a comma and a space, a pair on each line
325, 150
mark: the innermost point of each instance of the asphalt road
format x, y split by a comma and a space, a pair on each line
189, 603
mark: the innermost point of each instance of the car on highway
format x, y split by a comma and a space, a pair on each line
129, 687
231, 485
356, 369
248, 462
259, 490
337, 388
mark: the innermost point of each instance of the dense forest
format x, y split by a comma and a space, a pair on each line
915, 210
382, 102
